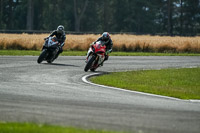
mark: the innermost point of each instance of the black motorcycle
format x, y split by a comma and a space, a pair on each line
49, 51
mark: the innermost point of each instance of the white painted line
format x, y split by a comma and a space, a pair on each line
195, 101
84, 79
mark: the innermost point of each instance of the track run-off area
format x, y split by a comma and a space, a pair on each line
56, 94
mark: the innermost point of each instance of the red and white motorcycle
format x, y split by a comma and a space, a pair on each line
95, 56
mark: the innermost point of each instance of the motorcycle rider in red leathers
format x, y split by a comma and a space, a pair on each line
108, 42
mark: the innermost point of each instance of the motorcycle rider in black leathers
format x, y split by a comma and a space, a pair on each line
108, 42
60, 35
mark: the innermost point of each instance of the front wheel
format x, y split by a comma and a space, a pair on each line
93, 69
49, 61
90, 62
42, 56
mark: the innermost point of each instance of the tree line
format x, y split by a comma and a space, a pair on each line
168, 17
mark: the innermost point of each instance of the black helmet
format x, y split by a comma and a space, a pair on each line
105, 36
60, 29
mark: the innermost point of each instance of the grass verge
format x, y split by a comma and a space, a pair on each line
37, 53
180, 83
83, 53
34, 128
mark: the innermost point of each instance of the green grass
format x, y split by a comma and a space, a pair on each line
19, 52
34, 128
180, 83
83, 53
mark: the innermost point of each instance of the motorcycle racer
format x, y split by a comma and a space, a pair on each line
60, 35
108, 42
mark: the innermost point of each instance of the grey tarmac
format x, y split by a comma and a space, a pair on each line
55, 94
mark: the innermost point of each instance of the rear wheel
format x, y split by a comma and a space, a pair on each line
49, 61
93, 69
89, 64
42, 56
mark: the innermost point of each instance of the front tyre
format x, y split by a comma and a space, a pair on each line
42, 56
49, 61
93, 69
89, 64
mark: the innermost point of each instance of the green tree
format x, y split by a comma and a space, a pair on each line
137, 16
30, 15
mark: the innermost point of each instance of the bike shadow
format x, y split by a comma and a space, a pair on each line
60, 64
99, 72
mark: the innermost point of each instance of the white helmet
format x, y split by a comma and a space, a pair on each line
60, 29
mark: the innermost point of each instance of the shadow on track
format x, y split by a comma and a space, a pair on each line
58, 64
100, 72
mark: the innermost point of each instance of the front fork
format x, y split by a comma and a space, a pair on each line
88, 54
98, 58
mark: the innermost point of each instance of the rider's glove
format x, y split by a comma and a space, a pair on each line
60, 47
62, 44
109, 51
92, 43
46, 38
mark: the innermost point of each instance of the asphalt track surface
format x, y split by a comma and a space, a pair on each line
55, 94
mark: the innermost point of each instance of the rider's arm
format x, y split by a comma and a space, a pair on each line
109, 46
62, 42
99, 39
53, 33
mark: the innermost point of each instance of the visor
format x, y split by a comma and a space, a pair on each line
60, 31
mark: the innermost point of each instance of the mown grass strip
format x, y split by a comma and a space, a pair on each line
37, 53
83, 53
151, 54
35, 128
19, 52
180, 83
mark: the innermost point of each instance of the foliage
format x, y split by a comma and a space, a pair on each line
83, 53
180, 17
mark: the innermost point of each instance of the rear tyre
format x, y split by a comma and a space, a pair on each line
89, 64
42, 56
49, 61
93, 69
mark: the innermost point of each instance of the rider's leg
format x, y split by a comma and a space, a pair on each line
59, 51
106, 58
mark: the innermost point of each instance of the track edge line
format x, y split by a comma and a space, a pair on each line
84, 79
